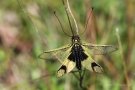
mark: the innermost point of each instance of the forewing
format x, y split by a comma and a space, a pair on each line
90, 64
100, 49
54, 54
67, 65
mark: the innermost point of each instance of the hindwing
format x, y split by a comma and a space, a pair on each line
90, 64
67, 65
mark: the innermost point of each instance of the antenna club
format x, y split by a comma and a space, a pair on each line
92, 8
54, 12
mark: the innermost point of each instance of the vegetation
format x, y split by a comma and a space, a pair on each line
20, 43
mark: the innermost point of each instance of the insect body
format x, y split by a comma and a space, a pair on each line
78, 54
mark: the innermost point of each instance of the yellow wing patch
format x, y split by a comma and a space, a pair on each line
90, 64
65, 68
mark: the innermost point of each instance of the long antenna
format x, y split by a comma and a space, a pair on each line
87, 21
73, 18
68, 17
60, 24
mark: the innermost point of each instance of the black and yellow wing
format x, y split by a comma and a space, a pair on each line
67, 64
62, 54
90, 49
89, 63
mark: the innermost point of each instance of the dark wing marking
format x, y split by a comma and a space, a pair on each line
54, 54
67, 65
90, 64
100, 49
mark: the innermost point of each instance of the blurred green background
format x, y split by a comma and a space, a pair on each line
20, 44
